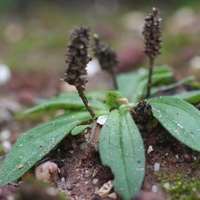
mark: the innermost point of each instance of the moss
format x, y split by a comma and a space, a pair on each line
181, 187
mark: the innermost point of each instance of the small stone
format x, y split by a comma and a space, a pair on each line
63, 179
6, 146
157, 167
47, 172
95, 181
154, 189
4, 135
150, 149
95, 172
166, 185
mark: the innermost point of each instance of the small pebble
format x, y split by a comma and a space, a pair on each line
4, 135
94, 181
166, 185
47, 172
154, 189
6, 146
63, 179
150, 149
157, 167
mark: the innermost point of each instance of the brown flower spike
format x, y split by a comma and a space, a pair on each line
106, 56
77, 60
152, 35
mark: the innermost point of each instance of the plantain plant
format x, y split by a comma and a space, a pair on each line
120, 144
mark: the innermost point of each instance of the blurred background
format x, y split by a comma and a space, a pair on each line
34, 34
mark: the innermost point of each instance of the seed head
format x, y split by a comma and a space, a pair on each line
77, 58
152, 34
106, 56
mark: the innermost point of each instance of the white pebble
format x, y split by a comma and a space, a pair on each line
157, 167
94, 181
150, 149
154, 189
102, 119
63, 179
5, 74
6, 146
4, 135
166, 185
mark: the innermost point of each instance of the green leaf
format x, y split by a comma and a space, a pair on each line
133, 85
111, 98
192, 97
68, 101
180, 118
79, 129
156, 89
121, 148
36, 143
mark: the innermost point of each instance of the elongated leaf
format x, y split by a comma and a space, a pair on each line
156, 89
36, 143
191, 97
67, 101
133, 85
79, 129
121, 148
180, 118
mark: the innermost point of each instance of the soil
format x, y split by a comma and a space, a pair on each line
81, 171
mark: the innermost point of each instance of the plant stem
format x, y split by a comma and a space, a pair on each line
151, 64
85, 101
112, 72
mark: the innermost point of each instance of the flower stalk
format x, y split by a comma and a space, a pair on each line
153, 42
106, 56
77, 60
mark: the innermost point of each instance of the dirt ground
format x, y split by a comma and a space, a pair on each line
81, 173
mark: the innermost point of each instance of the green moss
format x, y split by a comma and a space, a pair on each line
181, 187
